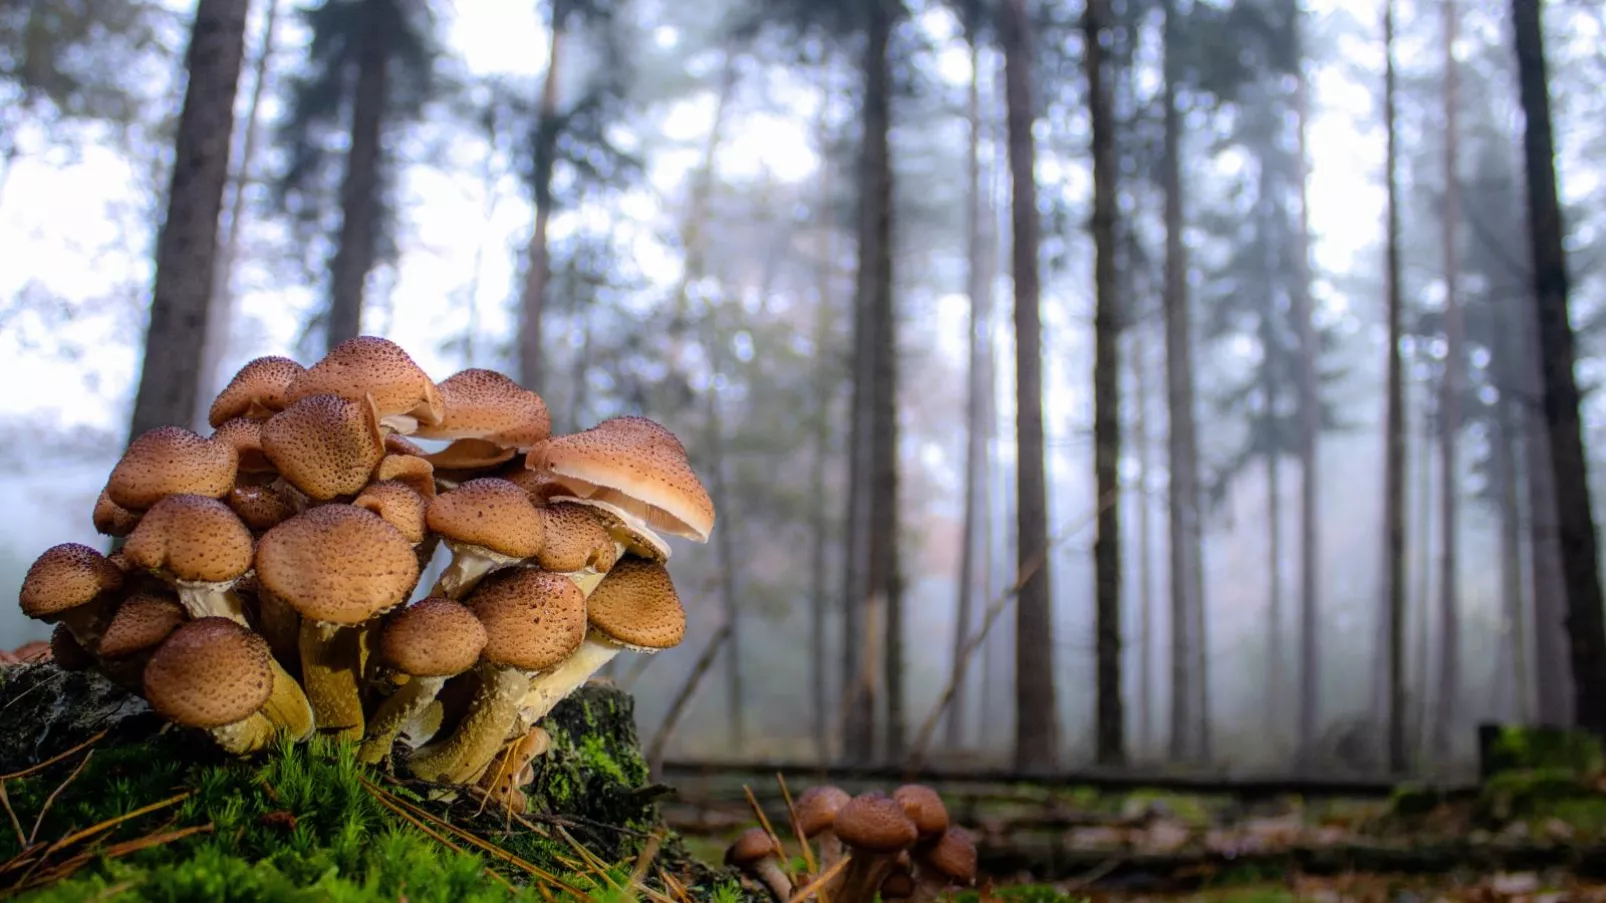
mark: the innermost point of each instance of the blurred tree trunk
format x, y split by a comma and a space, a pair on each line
1419, 600
1394, 432
359, 192
1586, 633
1553, 689
1271, 391
1109, 724
1036, 715
827, 382
1511, 666
1310, 414
975, 428
1181, 447
186, 246
538, 261
1448, 708
725, 551
220, 318
1143, 744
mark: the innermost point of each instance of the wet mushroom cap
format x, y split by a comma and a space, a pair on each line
924, 807
875, 823
484, 404
324, 445
245, 435
817, 807
637, 605
575, 539
626, 458
954, 855
490, 513
533, 619
142, 622
210, 672
337, 564
368, 365
170, 460
434, 637
751, 846
192, 537
398, 504
257, 391
64, 577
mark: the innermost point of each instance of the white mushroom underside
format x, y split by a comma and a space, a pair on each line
632, 517
470, 565
552, 687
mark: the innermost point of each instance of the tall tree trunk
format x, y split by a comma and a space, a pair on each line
1553, 681
1036, 712
1271, 389
1586, 633
1110, 723
359, 191
827, 380
1512, 668
1145, 658
1394, 430
975, 429
220, 318
1419, 600
186, 246
1448, 710
538, 260
1310, 414
1181, 445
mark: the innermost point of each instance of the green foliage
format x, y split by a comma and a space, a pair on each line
1523, 749
1023, 893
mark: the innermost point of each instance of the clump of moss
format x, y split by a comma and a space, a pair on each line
1514, 748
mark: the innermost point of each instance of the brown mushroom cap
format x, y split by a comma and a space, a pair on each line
632, 463
484, 404
337, 564
874, 823
192, 537
245, 435
142, 622
924, 807
575, 539
397, 444
954, 855
368, 365
534, 619
817, 808
636, 605
260, 507
210, 672
414, 470
899, 883
539, 486
749, 847
398, 504
111, 518
257, 391
434, 637
490, 513
64, 577
169, 460
324, 445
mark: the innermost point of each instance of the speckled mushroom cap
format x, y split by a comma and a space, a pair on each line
750, 846
817, 807
631, 459
260, 507
484, 404
245, 435
325, 445
539, 486
924, 807
210, 672
337, 564
64, 577
534, 619
636, 605
641, 543
575, 539
111, 518
874, 823
414, 470
398, 504
142, 622
396, 444
169, 460
954, 855
434, 637
193, 538
257, 391
490, 513
368, 365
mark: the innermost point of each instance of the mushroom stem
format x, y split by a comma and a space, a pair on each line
462, 757
769, 871
552, 687
281, 627
469, 565
248, 735
329, 675
288, 709
86, 623
862, 877
211, 600
397, 711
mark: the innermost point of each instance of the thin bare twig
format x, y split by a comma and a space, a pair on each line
53, 759
51, 799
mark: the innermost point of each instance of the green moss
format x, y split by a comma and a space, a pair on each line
1510, 748
1021, 893
1414, 800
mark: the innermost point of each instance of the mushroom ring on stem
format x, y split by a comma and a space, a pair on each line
216, 675
489, 524
430, 641
533, 621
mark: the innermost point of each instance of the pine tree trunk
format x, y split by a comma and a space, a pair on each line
827, 383
1394, 435
1448, 709
220, 318
1036, 714
1586, 633
186, 246
359, 192
1553, 681
538, 259
1512, 669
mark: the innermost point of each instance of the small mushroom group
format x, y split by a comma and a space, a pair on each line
898, 847
262, 584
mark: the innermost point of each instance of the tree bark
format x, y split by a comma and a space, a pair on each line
186, 247
1394, 433
220, 319
1448, 709
1512, 666
538, 261
1036, 712
827, 382
359, 191
1575, 519
1553, 681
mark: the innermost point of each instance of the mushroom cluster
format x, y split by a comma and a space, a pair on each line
900, 847
261, 589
